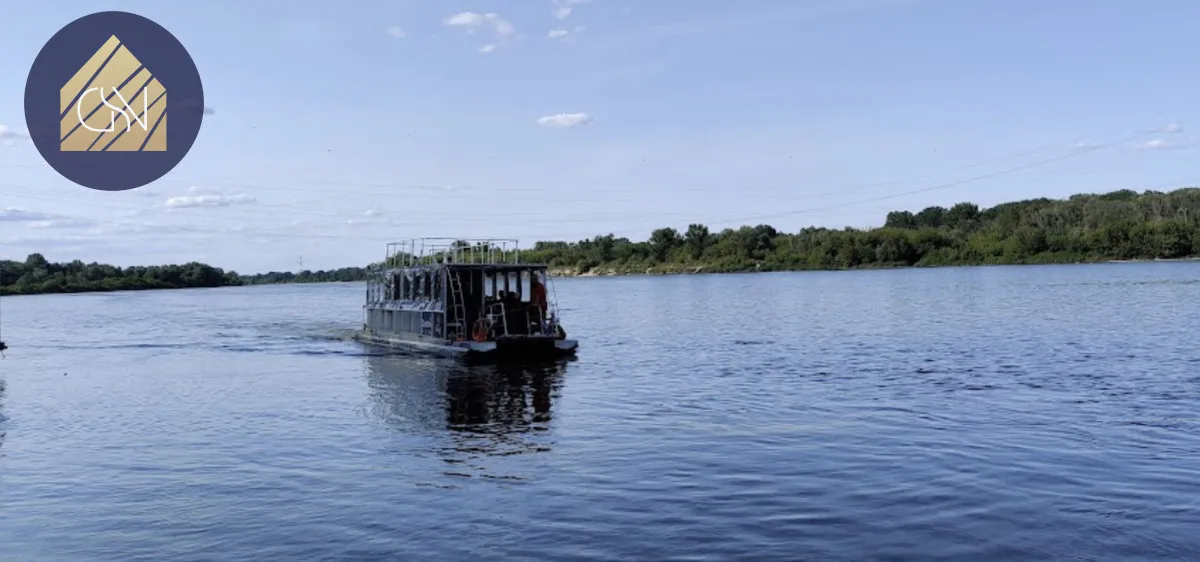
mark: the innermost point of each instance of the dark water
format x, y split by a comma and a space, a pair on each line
1038, 413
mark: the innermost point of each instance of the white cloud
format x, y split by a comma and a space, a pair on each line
472, 21
468, 20
207, 200
35, 219
13, 214
563, 120
65, 222
563, 8
396, 32
1173, 128
565, 35
9, 136
438, 187
203, 197
10, 133
1159, 144
504, 29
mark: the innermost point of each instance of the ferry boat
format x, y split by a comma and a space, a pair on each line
465, 298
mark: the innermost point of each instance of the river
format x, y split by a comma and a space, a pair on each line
994, 413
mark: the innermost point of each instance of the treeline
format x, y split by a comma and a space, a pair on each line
1122, 225
344, 274
36, 275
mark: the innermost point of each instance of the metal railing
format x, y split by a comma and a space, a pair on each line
431, 251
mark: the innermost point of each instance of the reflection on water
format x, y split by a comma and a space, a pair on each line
2, 418
474, 413
924, 414
504, 399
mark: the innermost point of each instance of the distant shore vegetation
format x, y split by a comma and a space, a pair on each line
36, 275
1121, 225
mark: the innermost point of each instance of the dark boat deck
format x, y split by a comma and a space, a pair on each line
464, 299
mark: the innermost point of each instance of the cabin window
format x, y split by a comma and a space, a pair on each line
489, 285
525, 286
513, 285
397, 287
420, 285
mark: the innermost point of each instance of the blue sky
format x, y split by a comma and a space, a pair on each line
338, 126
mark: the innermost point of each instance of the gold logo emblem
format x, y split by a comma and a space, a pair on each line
114, 104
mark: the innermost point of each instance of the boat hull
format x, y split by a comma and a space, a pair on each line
515, 348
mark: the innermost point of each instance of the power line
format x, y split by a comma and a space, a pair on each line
542, 219
748, 219
391, 188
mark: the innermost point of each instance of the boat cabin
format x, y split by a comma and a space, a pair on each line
449, 291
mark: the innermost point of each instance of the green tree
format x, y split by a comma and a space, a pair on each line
697, 239
662, 241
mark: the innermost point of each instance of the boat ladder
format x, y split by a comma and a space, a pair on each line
457, 305
496, 312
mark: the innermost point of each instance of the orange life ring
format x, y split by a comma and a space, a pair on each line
480, 331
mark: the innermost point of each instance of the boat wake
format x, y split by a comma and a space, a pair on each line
273, 339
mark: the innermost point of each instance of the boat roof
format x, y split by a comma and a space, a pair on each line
477, 266
457, 253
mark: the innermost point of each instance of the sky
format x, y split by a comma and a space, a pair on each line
336, 127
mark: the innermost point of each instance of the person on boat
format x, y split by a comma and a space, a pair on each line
538, 291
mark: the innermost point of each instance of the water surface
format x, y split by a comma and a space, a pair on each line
1019, 413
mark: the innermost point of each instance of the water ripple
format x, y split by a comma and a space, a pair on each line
1035, 413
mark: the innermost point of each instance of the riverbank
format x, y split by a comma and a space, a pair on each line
768, 268
1088, 228
562, 272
